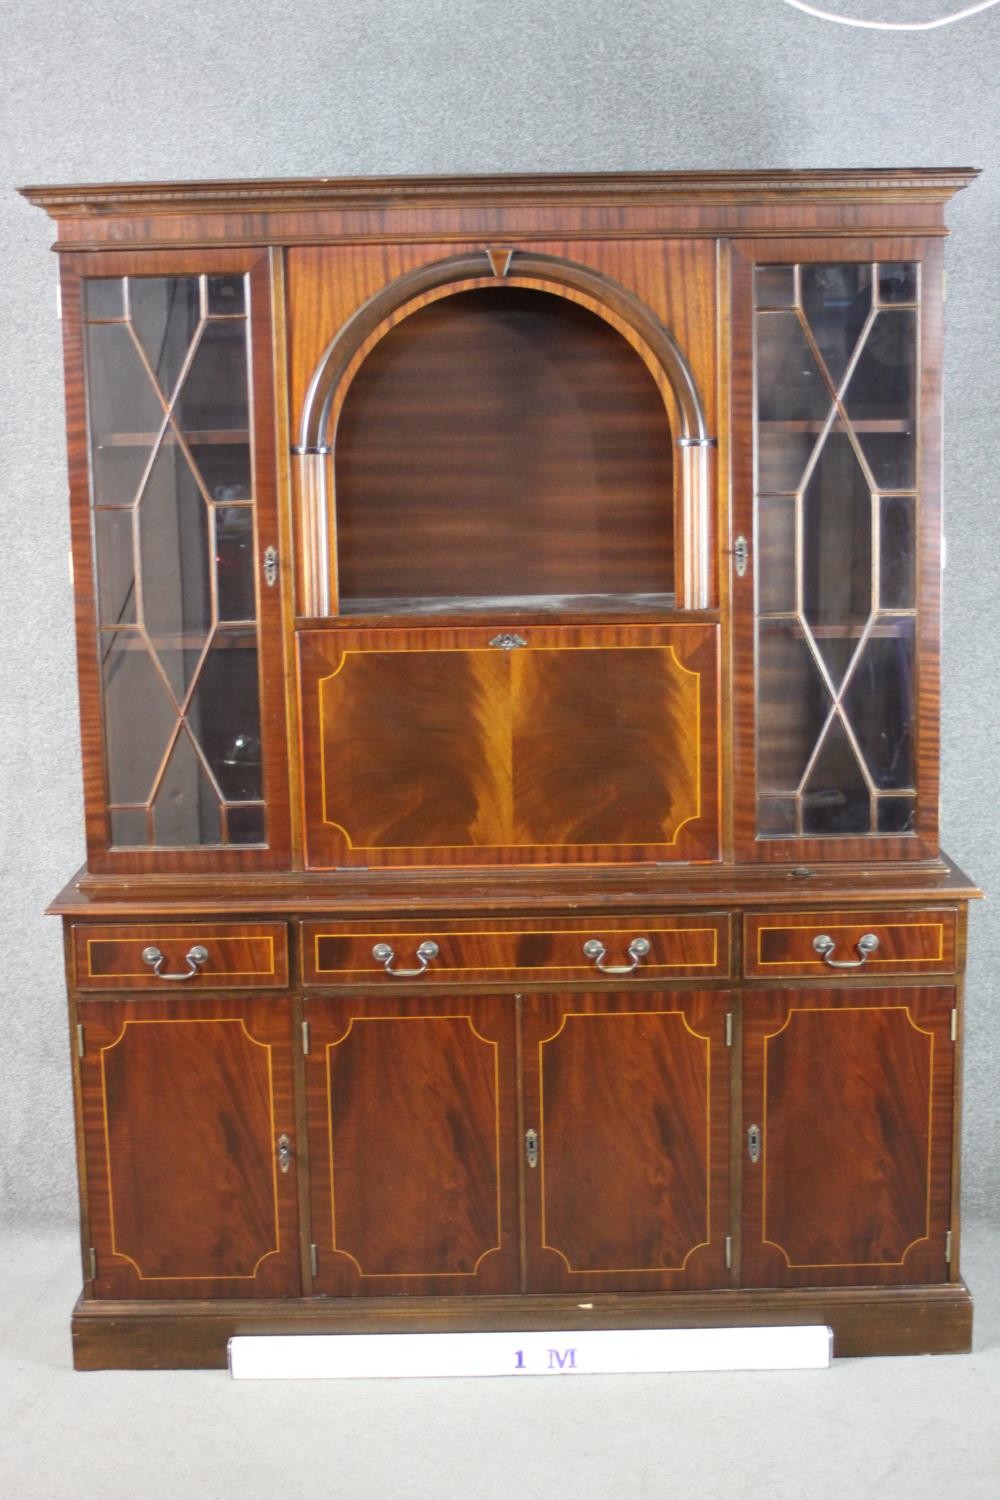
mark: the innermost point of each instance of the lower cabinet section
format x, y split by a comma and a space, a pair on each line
188, 1122
471, 1155
847, 1098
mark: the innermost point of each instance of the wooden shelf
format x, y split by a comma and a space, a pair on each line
220, 436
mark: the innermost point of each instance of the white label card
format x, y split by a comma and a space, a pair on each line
362, 1356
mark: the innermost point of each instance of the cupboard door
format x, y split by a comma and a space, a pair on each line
627, 1188
172, 466
477, 746
412, 1112
189, 1142
837, 357
850, 1093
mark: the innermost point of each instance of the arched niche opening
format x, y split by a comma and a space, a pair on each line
503, 443
516, 413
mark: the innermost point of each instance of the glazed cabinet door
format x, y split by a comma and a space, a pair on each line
836, 557
848, 1099
189, 1141
176, 559
412, 1119
627, 1141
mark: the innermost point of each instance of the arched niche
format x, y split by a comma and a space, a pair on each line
503, 426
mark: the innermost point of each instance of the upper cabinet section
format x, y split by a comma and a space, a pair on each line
524, 520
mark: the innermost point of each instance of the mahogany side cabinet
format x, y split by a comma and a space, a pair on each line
508, 621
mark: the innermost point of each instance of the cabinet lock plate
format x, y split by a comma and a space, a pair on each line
531, 1147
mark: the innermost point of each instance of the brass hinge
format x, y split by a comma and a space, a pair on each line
947, 1248
729, 1252
313, 1260
305, 1038
954, 1023
729, 1028
93, 1264
81, 1046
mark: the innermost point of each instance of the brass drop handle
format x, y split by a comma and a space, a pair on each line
383, 953
637, 951
194, 957
824, 946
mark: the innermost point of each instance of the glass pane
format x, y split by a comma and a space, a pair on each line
783, 450
224, 469
789, 384
879, 704
226, 296
775, 554
139, 717
792, 707
897, 553
104, 297
776, 816
836, 301
897, 283
186, 809
118, 468
234, 562
225, 714
837, 539
835, 798
214, 395
775, 286
246, 824
165, 312
120, 395
116, 602
128, 827
176, 562
896, 814
881, 399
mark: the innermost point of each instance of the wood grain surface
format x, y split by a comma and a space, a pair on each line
183, 1106
435, 747
629, 1095
412, 1124
852, 1093
240, 955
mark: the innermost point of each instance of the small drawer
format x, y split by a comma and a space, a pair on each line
358, 953
181, 955
844, 943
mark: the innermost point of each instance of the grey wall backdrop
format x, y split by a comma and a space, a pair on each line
134, 89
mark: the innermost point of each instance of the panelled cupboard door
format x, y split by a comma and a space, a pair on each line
554, 744
189, 1136
627, 1145
850, 1095
412, 1119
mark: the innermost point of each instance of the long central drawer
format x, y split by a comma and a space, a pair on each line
658, 946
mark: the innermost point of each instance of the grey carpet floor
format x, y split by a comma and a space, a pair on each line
887, 1428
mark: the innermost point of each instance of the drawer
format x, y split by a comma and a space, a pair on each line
788, 944
516, 949
237, 955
